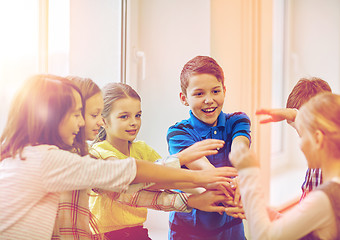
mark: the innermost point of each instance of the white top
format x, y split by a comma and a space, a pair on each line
31, 187
313, 214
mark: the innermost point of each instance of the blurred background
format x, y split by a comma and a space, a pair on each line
264, 47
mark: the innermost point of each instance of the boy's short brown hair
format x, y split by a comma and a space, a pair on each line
200, 65
305, 89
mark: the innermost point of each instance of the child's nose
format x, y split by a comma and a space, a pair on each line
133, 121
100, 122
81, 121
208, 99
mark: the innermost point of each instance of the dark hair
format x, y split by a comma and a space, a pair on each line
111, 93
305, 89
35, 114
200, 65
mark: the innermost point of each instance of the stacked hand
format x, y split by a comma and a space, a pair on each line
225, 192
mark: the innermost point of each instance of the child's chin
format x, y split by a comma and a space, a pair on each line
211, 122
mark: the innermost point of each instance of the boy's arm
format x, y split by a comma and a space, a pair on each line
239, 145
193, 155
200, 164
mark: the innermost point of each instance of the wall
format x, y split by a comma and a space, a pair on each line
167, 45
95, 40
169, 33
241, 38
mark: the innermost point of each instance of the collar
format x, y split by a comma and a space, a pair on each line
203, 128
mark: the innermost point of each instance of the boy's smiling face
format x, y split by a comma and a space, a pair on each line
205, 96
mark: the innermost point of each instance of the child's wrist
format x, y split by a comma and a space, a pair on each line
292, 115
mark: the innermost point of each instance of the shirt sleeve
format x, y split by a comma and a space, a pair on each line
179, 139
293, 224
170, 161
240, 125
166, 200
149, 153
65, 171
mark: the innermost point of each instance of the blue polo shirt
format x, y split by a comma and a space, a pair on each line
198, 224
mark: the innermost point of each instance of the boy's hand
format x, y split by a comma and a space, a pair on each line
237, 194
224, 187
245, 159
221, 174
236, 212
207, 201
277, 114
199, 149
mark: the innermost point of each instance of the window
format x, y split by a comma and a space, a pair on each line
62, 37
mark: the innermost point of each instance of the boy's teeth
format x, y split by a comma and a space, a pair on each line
209, 110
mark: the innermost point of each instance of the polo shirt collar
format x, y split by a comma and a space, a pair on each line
204, 129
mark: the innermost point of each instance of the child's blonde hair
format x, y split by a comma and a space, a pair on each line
87, 86
35, 114
322, 112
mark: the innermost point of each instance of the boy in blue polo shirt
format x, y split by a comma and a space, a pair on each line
203, 90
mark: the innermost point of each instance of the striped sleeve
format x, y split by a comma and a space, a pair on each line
240, 125
65, 171
166, 200
178, 138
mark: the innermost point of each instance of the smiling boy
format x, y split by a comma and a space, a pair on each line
203, 90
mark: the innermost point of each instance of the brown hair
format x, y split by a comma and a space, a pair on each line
111, 93
322, 113
200, 65
305, 89
87, 87
35, 114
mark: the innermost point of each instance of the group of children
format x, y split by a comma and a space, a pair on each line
59, 187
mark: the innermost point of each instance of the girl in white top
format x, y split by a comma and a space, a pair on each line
44, 124
318, 215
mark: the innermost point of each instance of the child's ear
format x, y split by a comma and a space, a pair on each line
319, 139
183, 99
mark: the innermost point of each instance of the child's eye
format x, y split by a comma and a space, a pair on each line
124, 117
216, 91
139, 115
94, 115
198, 94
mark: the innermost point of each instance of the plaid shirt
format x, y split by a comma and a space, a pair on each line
164, 200
312, 180
74, 218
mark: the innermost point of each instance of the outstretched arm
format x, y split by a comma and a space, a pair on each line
277, 114
169, 200
149, 172
194, 156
